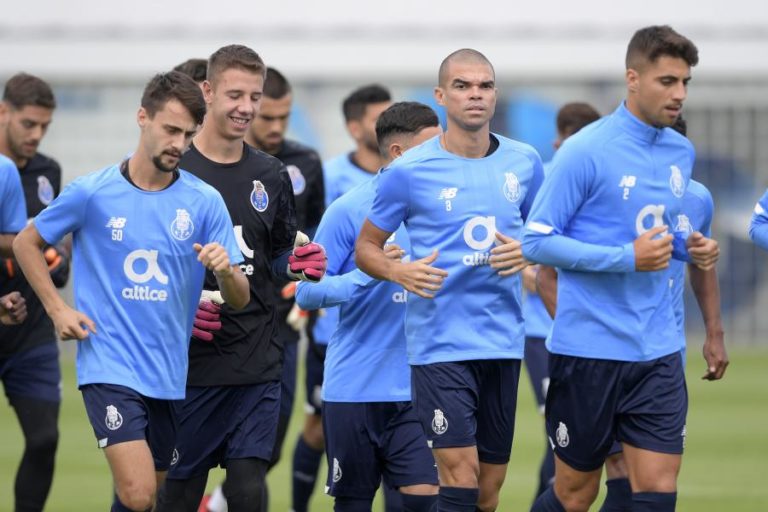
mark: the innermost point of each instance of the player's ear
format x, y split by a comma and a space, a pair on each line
439, 96
207, 91
142, 117
632, 78
4, 111
355, 129
395, 150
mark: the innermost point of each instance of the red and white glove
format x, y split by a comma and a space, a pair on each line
308, 261
207, 316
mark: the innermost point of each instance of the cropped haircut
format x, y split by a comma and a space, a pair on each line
173, 85
462, 55
650, 43
235, 56
403, 118
196, 69
23, 90
355, 104
572, 117
276, 86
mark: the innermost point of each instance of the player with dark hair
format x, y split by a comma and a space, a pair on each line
369, 424
144, 233
230, 414
29, 355
615, 341
463, 198
571, 118
196, 69
361, 109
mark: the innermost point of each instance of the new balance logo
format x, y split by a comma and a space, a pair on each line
448, 193
627, 181
116, 222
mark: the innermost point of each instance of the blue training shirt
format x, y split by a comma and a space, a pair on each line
758, 226
366, 359
340, 175
13, 208
610, 182
538, 323
136, 274
456, 205
698, 209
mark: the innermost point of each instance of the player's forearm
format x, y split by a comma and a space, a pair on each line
707, 291
332, 290
546, 287
27, 249
234, 288
6, 245
563, 252
371, 259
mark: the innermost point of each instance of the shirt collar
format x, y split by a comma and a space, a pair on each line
632, 124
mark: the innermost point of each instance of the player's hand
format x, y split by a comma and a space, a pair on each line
297, 318
419, 276
716, 357
214, 258
71, 324
58, 265
653, 253
507, 257
394, 252
308, 262
704, 251
13, 308
208, 315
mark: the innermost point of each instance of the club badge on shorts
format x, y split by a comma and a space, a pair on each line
439, 423
259, 196
561, 434
114, 419
336, 470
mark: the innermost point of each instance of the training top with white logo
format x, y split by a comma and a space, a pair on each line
136, 273
610, 183
698, 209
41, 181
366, 359
259, 197
13, 211
456, 205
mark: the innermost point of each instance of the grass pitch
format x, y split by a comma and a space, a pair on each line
723, 469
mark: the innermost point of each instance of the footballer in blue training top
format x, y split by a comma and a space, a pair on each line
463, 198
370, 427
144, 232
603, 217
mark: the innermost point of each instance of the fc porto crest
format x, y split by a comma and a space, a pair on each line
676, 182
174, 457
182, 226
511, 187
561, 434
259, 196
439, 423
113, 420
684, 225
44, 190
298, 180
